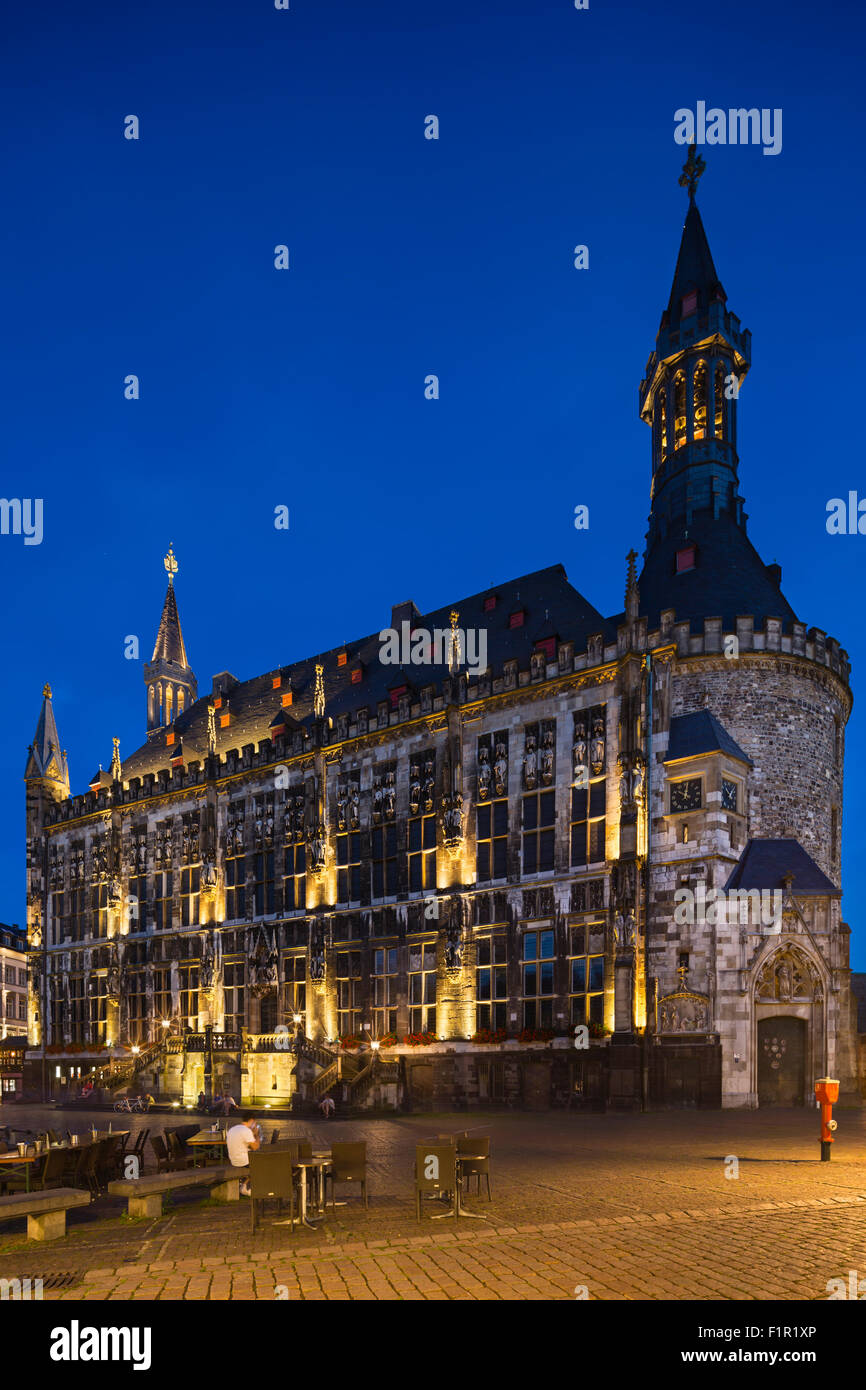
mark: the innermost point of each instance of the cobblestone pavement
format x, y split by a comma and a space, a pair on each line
621, 1206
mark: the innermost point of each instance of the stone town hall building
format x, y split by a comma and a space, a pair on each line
479, 862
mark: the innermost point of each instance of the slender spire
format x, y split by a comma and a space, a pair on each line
632, 597
319, 693
115, 761
169, 639
45, 758
171, 683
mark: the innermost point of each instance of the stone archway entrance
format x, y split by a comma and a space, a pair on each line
781, 1060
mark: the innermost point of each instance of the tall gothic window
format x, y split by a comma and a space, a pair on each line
349, 985
586, 973
236, 874
538, 979
491, 982
349, 867
295, 985
699, 400
233, 995
189, 996
162, 891
679, 409
539, 816
190, 886
422, 986
719, 423
263, 869
294, 878
384, 990
662, 413
384, 847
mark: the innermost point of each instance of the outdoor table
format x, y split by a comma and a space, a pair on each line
206, 1139
318, 1165
12, 1160
460, 1209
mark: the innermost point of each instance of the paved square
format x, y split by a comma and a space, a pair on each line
621, 1206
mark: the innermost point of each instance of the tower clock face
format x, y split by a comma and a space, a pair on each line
729, 795
686, 796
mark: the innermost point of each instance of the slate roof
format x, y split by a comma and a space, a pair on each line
729, 580
169, 645
764, 863
701, 732
552, 606
694, 269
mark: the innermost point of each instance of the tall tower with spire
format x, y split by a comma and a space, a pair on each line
697, 550
46, 770
171, 683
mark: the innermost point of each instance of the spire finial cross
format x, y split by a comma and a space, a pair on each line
692, 170
170, 564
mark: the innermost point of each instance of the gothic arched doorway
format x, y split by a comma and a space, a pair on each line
781, 1060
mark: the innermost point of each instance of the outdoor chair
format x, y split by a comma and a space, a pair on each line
435, 1174
138, 1146
161, 1154
106, 1160
53, 1136
275, 1135
477, 1168
305, 1151
51, 1172
86, 1174
348, 1164
178, 1152
271, 1176
4, 1147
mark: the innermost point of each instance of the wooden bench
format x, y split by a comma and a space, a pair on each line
144, 1195
45, 1211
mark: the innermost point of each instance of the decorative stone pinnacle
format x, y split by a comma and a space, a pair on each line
319, 693
454, 654
115, 761
170, 564
692, 171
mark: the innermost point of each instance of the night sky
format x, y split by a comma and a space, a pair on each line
408, 256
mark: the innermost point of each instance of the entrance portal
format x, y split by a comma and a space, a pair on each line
781, 1061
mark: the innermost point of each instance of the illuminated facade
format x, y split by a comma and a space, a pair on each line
467, 866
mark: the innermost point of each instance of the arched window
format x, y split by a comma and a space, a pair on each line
180, 700
679, 409
699, 401
150, 705
168, 714
720, 401
662, 415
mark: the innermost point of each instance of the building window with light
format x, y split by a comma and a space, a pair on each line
384, 990
699, 397
586, 974
537, 968
190, 887
349, 867
384, 854
491, 982
99, 903
491, 816
236, 878
136, 1006
294, 878
422, 853
295, 987
263, 872
161, 995
233, 995
679, 409
588, 824
189, 996
422, 987
349, 983
162, 895
137, 901
98, 1010
539, 818
719, 422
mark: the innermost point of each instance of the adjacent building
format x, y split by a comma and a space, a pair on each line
602, 864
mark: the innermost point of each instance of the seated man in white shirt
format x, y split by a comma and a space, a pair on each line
239, 1140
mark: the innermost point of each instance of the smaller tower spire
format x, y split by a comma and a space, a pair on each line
171, 683
319, 693
46, 761
632, 597
116, 774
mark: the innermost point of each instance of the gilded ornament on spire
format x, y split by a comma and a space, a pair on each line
692, 171
319, 693
170, 564
46, 691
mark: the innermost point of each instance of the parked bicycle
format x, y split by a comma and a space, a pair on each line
130, 1107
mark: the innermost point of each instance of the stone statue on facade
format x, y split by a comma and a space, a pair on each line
530, 763
500, 770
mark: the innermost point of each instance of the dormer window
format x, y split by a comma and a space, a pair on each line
690, 304
490, 603
685, 558
517, 618
342, 658
357, 675
547, 645
286, 699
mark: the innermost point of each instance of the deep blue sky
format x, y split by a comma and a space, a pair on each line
408, 256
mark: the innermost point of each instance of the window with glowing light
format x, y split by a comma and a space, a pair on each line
700, 401
347, 966
384, 855
384, 990
422, 987
537, 972
189, 996
539, 818
294, 989
679, 409
162, 896
294, 878
348, 851
491, 982
586, 973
